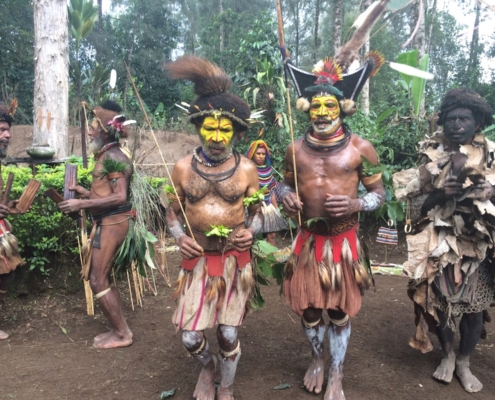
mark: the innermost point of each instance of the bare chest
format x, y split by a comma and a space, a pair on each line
230, 190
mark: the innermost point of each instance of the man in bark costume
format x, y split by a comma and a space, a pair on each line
108, 203
273, 221
325, 270
450, 259
10, 258
216, 279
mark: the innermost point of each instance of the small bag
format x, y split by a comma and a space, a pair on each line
387, 235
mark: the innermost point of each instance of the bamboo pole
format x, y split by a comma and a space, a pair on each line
289, 109
159, 149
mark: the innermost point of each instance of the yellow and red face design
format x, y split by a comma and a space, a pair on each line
325, 116
217, 129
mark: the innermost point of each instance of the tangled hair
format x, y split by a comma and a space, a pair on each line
107, 112
112, 106
5, 115
466, 98
211, 85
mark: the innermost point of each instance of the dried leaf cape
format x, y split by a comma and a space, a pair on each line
449, 258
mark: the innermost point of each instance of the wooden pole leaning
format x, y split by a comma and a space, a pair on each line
289, 109
159, 149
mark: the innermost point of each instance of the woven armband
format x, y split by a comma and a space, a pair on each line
369, 180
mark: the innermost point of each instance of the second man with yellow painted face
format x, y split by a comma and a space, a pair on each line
325, 270
216, 279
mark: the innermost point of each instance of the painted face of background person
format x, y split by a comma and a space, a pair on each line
259, 156
325, 117
96, 139
460, 126
4, 138
216, 137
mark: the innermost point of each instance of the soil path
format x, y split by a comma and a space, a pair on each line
41, 361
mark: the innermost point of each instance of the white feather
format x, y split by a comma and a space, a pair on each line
257, 114
362, 17
128, 122
182, 108
185, 104
411, 71
113, 78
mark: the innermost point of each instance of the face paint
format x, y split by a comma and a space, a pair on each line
325, 115
460, 126
4, 138
260, 156
216, 137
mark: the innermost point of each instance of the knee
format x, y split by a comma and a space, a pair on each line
192, 340
227, 337
335, 314
312, 314
98, 282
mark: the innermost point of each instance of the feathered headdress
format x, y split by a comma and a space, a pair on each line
255, 146
111, 120
328, 78
211, 85
7, 113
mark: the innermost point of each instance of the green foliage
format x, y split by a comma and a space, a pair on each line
111, 165
44, 233
219, 231
256, 198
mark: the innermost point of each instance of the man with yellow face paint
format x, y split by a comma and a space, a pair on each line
216, 279
325, 270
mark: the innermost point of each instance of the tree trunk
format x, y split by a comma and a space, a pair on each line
338, 19
418, 13
51, 82
100, 16
474, 53
433, 11
222, 36
365, 92
317, 20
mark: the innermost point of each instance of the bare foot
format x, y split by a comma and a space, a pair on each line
226, 393
445, 371
313, 380
470, 383
111, 340
205, 388
3, 335
334, 387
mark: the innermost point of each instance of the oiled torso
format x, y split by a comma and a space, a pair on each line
210, 202
322, 173
102, 187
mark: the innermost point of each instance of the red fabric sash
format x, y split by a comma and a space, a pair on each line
337, 241
215, 261
4, 226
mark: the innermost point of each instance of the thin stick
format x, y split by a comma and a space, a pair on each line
83, 135
289, 110
159, 149
130, 289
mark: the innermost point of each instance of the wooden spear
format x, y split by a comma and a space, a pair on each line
289, 110
159, 149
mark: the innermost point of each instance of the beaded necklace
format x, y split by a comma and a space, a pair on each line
207, 162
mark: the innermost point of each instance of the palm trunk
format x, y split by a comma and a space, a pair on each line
51, 68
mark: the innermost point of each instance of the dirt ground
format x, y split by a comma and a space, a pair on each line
49, 353
174, 145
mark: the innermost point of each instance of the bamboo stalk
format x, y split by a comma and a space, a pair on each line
289, 109
130, 289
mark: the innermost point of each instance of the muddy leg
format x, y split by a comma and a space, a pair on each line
314, 329
230, 352
197, 345
339, 332
445, 370
5, 281
470, 327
